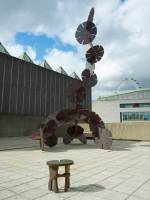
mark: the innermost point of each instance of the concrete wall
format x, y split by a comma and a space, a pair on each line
109, 111
29, 93
130, 130
15, 125
18, 125
126, 130
11, 125
29, 89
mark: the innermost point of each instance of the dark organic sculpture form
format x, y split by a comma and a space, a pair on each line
85, 34
94, 54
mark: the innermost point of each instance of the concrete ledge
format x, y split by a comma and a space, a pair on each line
126, 131
15, 125
130, 130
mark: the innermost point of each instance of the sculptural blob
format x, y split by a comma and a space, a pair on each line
85, 34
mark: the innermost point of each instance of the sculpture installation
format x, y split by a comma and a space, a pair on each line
85, 34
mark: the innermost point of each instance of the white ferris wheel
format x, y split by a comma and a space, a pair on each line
129, 81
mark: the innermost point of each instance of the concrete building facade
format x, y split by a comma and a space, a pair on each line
30, 92
124, 106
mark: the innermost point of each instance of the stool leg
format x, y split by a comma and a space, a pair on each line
67, 178
55, 185
50, 183
55, 176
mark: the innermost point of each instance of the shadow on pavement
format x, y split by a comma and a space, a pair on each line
90, 188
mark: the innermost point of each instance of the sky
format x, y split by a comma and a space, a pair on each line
46, 30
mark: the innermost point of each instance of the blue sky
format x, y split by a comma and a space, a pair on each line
42, 43
47, 31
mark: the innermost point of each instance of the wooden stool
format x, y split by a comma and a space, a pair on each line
53, 170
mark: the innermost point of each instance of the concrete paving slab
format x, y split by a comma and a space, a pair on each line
121, 173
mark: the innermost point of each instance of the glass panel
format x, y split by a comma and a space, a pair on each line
134, 105
129, 116
141, 116
135, 116
147, 116
144, 104
124, 116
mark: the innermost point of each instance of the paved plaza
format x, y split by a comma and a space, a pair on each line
117, 174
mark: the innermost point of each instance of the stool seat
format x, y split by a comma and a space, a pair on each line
59, 162
53, 169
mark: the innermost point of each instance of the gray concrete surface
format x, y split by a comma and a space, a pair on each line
117, 174
18, 125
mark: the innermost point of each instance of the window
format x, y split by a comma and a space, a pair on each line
134, 105
135, 116
128, 105
144, 104
147, 116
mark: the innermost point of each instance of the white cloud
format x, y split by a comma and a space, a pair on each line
17, 50
70, 61
31, 52
123, 30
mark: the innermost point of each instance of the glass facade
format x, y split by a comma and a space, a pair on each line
134, 105
135, 116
